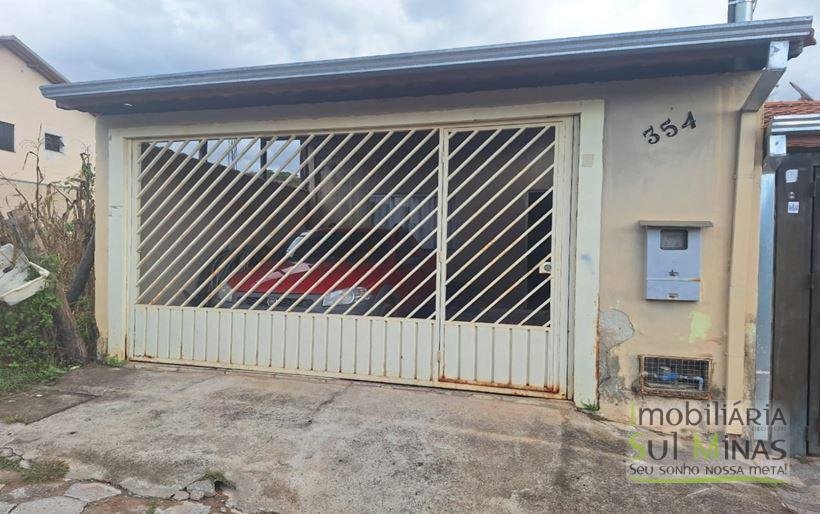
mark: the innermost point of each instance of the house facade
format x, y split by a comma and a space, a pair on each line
27, 120
573, 218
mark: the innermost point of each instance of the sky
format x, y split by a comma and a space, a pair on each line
100, 39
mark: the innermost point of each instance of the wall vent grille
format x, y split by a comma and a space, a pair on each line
675, 377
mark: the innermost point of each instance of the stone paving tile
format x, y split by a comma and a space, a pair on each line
186, 508
93, 497
124, 505
23, 493
91, 491
201, 489
53, 505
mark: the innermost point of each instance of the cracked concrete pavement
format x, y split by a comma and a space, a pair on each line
302, 444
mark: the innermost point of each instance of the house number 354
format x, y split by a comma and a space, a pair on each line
668, 129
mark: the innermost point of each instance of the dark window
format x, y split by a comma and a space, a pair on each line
54, 143
6, 136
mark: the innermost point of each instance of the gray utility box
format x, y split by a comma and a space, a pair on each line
673, 259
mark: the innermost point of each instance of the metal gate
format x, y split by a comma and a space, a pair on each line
435, 255
795, 359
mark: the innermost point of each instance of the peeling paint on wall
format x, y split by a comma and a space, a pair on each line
699, 326
614, 329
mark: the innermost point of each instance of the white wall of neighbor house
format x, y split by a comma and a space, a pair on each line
32, 115
686, 177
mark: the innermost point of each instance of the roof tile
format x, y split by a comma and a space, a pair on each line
772, 109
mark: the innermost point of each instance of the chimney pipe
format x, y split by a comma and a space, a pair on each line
741, 11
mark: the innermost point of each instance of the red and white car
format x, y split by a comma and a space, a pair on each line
371, 275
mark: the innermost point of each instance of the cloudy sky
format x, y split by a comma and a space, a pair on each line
97, 39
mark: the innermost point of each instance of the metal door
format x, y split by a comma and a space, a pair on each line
813, 434
795, 388
504, 245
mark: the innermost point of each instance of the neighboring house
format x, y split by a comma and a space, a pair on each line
593, 204
27, 118
788, 345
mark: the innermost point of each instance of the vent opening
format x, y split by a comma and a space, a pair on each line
675, 376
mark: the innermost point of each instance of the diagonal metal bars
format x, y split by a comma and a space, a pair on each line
381, 140
282, 188
367, 236
278, 211
499, 234
186, 214
352, 189
344, 223
236, 213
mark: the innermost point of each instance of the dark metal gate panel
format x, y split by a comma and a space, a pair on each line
813, 434
796, 302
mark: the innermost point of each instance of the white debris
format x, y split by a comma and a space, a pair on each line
15, 282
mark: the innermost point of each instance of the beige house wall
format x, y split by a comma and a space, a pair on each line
22, 105
687, 177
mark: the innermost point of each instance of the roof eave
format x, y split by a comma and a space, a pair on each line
33, 60
437, 64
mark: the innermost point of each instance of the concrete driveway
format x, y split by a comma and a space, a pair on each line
298, 444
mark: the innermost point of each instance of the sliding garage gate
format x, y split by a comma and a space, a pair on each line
434, 255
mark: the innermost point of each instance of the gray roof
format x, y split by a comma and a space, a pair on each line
668, 52
34, 61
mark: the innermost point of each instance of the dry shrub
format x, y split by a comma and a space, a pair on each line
63, 213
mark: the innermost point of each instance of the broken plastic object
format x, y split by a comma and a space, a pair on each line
16, 282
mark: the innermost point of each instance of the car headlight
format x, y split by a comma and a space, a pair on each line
225, 293
345, 296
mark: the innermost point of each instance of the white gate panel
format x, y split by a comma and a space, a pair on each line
499, 356
505, 250
380, 348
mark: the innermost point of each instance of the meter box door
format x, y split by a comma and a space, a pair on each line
673, 259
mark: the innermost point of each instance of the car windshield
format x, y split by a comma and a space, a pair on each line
307, 248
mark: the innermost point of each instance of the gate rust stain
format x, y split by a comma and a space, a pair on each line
488, 383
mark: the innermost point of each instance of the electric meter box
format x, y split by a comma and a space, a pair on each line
673, 259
